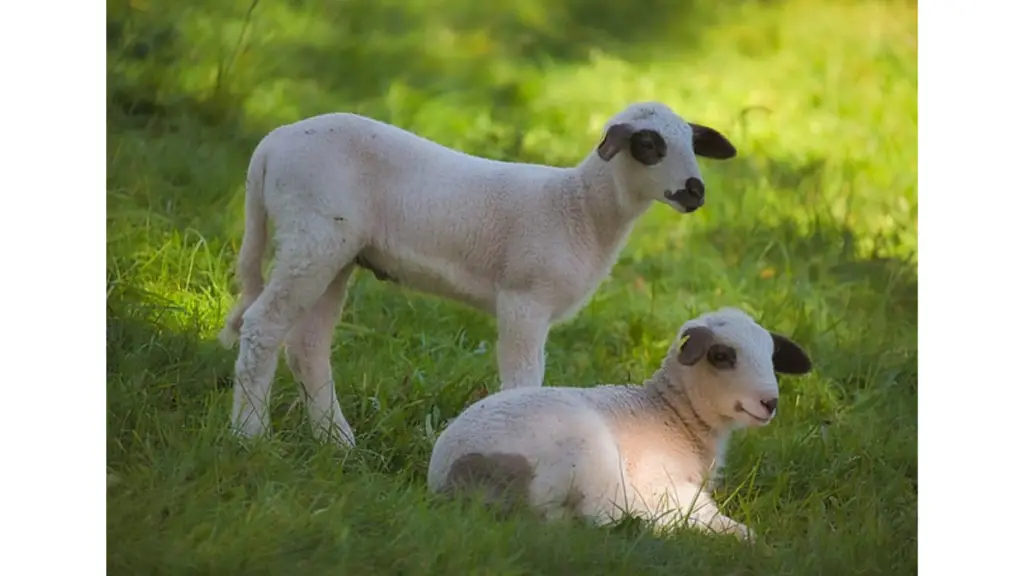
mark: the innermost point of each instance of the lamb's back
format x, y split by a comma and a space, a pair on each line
387, 160
546, 426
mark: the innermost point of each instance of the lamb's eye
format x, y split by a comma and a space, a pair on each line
722, 356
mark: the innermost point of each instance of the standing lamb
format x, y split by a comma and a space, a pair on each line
653, 450
526, 243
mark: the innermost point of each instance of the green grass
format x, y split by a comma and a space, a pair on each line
813, 229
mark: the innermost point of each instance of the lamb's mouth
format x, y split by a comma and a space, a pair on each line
740, 408
687, 206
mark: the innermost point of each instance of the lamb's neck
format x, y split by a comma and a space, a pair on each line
698, 423
605, 203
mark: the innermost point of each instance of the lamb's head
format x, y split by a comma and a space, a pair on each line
659, 149
730, 363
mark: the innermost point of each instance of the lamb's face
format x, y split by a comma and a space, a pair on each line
734, 362
660, 154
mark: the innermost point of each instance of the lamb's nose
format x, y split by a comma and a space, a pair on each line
770, 405
695, 188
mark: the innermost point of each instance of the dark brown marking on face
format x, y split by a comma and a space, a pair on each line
789, 358
647, 147
710, 143
722, 356
698, 340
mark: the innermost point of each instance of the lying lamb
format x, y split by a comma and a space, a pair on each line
524, 242
652, 450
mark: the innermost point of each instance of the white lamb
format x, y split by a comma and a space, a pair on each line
652, 450
524, 242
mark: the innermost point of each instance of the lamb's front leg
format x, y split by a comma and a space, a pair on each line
691, 505
706, 516
522, 334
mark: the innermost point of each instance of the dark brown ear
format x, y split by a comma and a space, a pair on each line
615, 140
697, 341
789, 358
710, 143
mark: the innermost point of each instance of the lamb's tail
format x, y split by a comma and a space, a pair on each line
249, 269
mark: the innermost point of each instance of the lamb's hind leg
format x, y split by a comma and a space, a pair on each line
308, 352
305, 267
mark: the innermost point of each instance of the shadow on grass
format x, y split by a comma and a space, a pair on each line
358, 49
484, 37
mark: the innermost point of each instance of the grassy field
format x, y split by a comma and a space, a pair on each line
813, 229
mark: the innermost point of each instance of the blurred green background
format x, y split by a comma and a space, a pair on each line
812, 228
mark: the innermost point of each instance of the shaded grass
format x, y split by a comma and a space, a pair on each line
812, 229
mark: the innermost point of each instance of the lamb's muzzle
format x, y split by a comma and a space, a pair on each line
690, 197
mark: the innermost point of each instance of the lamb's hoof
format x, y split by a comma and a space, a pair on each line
743, 532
